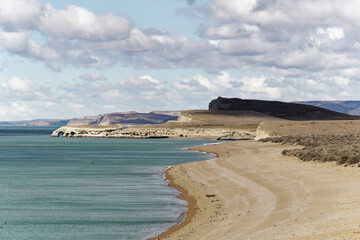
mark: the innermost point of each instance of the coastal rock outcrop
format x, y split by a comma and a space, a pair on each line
86, 131
221, 125
121, 132
260, 133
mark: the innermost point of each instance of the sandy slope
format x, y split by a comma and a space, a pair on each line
253, 192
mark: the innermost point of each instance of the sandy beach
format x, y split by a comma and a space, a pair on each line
251, 191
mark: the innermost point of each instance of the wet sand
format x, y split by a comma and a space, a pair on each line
251, 191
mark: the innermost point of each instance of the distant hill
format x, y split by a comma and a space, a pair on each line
348, 107
126, 118
290, 111
36, 122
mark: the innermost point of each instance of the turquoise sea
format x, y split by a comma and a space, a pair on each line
87, 188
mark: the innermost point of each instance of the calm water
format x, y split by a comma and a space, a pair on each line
81, 188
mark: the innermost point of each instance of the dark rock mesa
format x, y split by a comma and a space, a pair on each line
290, 111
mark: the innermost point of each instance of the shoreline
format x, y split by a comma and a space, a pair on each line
251, 190
191, 208
184, 195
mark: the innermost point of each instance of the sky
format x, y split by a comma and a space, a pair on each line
62, 59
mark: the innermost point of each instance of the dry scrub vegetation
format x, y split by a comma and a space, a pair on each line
343, 149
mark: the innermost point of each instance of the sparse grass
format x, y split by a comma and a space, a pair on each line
343, 149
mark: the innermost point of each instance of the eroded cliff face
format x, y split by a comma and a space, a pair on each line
86, 131
222, 125
120, 132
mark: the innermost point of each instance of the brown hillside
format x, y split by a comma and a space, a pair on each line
217, 119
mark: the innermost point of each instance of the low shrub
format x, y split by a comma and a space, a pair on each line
343, 149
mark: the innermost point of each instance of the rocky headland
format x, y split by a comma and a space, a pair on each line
120, 132
191, 124
226, 119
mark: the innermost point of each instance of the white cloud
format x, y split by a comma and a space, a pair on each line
16, 88
93, 77
195, 83
341, 81
225, 85
242, 34
17, 84
50, 104
142, 83
35, 50
282, 49
80, 23
22, 107
16, 110
20, 14
21, 44
145, 91
237, 9
74, 35
142, 93
242, 46
110, 108
254, 84
13, 41
353, 72
333, 33
76, 106
132, 90
224, 31
111, 94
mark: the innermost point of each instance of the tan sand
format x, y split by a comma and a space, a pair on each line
328, 127
253, 192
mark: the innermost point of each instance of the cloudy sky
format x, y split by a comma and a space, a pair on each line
71, 58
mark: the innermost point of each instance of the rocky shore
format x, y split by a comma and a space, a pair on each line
121, 132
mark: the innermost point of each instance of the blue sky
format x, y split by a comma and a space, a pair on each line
66, 58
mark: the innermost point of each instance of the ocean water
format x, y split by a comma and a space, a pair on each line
87, 188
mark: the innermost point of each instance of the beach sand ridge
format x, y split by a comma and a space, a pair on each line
252, 191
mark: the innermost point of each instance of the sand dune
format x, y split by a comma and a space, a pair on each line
253, 192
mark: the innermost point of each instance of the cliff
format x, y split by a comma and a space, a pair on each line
157, 132
290, 111
126, 118
231, 119
224, 125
